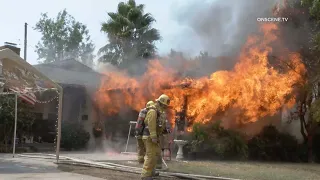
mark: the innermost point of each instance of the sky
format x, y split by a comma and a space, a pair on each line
92, 13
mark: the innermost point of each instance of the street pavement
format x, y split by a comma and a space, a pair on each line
34, 169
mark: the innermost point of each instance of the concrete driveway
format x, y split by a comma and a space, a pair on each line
33, 169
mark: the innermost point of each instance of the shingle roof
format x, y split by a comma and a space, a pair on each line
69, 64
70, 72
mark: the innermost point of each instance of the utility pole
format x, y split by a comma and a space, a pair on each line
25, 40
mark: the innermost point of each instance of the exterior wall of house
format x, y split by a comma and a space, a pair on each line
46, 117
86, 118
77, 107
47, 110
79, 83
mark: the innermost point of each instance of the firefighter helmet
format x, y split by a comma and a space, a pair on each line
164, 99
150, 103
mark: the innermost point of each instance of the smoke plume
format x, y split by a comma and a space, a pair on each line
222, 27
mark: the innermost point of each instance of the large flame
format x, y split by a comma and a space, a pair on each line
254, 88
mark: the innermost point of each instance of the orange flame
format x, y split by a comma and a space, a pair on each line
253, 86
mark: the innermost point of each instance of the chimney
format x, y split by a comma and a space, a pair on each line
11, 46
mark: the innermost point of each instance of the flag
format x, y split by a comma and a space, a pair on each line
42, 86
26, 96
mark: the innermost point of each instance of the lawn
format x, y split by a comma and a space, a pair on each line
245, 170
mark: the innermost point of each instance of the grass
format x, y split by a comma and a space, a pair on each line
245, 170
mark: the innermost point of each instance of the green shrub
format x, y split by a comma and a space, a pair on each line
73, 136
212, 140
272, 145
230, 145
198, 137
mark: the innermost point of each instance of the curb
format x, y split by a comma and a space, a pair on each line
36, 156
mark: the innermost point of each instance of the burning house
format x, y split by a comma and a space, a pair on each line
251, 91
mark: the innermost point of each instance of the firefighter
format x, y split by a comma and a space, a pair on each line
151, 136
141, 150
163, 129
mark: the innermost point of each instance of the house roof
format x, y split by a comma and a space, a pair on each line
17, 71
69, 64
70, 71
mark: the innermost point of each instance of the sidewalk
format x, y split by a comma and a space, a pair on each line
34, 169
107, 156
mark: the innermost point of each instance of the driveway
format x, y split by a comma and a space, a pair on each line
33, 169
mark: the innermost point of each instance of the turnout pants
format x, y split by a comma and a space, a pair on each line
153, 152
141, 150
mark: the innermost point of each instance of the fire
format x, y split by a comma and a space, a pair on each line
254, 88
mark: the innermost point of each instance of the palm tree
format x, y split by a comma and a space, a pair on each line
130, 35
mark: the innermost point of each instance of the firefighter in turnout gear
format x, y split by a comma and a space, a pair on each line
151, 136
141, 150
163, 129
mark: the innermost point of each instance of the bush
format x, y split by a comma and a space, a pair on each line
212, 140
272, 145
316, 146
231, 145
73, 136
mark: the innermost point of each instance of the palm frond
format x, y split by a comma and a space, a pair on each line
123, 9
151, 35
147, 19
132, 3
113, 16
134, 15
141, 7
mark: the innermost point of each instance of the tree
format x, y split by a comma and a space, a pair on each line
7, 115
130, 33
304, 19
63, 38
314, 79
